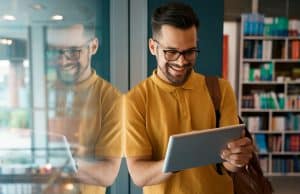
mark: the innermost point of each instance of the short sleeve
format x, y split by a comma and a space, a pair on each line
136, 138
110, 139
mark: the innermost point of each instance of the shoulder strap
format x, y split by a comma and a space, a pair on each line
212, 83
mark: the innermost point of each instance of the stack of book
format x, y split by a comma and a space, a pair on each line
253, 24
264, 164
292, 143
282, 165
289, 122
293, 122
293, 101
256, 24
255, 123
263, 73
275, 143
263, 100
265, 49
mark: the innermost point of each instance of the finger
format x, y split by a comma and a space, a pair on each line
244, 141
225, 154
240, 157
238, 164
246, 149
237, 158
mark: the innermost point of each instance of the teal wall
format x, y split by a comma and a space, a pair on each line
101, 61
210, 34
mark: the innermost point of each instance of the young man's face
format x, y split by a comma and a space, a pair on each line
175, 50
74, 53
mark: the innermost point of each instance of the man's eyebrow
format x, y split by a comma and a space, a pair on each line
173, 48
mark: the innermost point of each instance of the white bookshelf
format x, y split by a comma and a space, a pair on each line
280, 66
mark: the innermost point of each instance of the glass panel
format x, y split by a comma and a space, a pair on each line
14, 78
48, 49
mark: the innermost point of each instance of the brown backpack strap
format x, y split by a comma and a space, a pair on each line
213, 87
212, 83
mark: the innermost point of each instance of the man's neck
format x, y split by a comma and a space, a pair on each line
86, 75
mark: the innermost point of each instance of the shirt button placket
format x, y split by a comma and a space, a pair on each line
181, 101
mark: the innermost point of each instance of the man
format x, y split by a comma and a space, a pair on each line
174, 100
87, 109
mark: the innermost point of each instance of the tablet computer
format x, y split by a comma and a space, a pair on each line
199, 148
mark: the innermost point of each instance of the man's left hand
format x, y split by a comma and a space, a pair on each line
237, 154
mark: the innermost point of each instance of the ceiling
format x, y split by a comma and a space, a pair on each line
72, 10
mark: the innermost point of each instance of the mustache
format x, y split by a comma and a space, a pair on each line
188, 65
68, 65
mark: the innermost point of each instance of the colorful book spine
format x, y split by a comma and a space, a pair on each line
253, 24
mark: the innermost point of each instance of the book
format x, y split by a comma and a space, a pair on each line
275, 103
267, 49
278, 123
295, 49
260, 140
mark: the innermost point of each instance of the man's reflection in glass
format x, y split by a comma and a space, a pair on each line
85, 108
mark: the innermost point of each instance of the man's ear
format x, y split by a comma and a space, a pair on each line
152, 46
94, 46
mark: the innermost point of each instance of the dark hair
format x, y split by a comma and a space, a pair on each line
175, 14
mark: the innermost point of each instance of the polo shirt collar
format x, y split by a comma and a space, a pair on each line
188, 85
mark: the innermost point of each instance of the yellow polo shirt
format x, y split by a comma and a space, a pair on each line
89, 115
155, 110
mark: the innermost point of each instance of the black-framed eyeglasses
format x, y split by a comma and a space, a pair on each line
174, 54
71, 53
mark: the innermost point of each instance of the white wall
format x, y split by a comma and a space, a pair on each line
231, 29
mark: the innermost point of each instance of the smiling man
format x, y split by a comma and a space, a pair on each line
87, 109
174, 100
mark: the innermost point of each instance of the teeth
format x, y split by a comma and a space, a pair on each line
177, 68
69, 67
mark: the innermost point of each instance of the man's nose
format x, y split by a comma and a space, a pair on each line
181, 60
61, 60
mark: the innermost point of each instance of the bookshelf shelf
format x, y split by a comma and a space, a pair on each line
247, 60
256, 60
269, 97
291, 132
271, 38
285, 153
264, 38
263, 83
270, 110
270, 83
295, 174
274, 132
266, 132
294, 38
255, 110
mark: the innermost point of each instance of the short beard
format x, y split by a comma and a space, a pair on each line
70, 79
67, 77
171, 79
